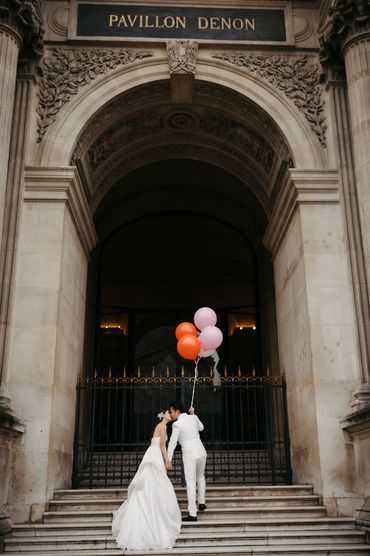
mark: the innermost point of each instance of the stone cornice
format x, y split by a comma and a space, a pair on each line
357, 422
62, 185
346, 20
299, 187
23, 19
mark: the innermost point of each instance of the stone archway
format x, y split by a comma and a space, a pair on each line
63, 199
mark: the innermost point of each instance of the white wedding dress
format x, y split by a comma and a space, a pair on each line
150, 518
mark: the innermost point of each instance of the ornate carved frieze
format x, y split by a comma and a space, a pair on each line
295, 77
67, 70
24, 18
182, 56
345, 19
125, 103
201, 121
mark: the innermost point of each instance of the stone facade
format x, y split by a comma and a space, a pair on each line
290, 121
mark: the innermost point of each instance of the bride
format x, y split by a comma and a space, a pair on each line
150, 518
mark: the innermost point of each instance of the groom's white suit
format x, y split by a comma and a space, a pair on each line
186, 431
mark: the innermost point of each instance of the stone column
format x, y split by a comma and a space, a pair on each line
345, 45
20, 46
357, 63
315, 325
47, 334
9, 47
11, 429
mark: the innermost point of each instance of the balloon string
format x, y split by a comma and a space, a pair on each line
195, 380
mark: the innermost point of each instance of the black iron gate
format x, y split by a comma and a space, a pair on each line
245, 418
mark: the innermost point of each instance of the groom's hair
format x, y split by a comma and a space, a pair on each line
177, 406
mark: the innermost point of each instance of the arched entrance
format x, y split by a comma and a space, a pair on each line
181, 200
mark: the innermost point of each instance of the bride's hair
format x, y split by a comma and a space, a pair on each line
159, 418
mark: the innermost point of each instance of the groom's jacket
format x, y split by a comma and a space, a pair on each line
186, 431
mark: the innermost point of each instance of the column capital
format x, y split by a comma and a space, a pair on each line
347, 20
22, 20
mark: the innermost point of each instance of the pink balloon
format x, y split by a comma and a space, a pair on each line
210, 338
205, 317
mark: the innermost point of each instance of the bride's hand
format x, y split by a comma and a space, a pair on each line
191, 410
168, 466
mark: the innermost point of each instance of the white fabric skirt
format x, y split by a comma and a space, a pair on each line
150, 518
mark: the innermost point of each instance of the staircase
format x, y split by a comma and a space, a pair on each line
258, 520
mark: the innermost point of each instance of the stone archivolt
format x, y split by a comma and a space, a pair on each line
67, 70
345, 19
295, 77
202, 120
221, 126
24, 17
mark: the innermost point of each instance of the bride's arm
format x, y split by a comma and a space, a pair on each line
163, 446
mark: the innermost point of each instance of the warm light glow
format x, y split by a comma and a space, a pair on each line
240, 328
254, 328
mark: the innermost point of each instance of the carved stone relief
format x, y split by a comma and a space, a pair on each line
58, 20
345, 18
126, 103
67, 70
203, 121
295, 77
303, 27
24, 17
182, 56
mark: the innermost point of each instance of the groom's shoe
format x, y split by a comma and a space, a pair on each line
190, 518
202, 507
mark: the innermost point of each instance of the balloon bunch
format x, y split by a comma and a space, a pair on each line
192, 345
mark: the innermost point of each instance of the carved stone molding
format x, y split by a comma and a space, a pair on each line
182, 56
345, 19
67, 70
23, 17
146, 124
295, 77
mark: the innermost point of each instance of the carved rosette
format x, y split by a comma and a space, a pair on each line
295, 77
23, 17
345, 19
182, 56
67, 70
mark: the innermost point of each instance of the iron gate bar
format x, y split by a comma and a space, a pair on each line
246, 426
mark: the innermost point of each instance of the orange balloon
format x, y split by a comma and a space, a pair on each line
189, 346
185, 328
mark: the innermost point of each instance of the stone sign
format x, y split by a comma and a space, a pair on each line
170, 22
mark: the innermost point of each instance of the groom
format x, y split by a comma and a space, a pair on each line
185, 430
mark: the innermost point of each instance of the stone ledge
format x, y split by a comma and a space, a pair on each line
357, 423
10, 426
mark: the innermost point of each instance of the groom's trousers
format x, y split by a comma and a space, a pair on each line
194, 477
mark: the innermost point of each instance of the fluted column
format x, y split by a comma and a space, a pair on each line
10, 43
11, 221
357, 64
345, 49
21, 45
351, 209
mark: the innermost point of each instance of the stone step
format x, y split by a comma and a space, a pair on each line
204, 526
222, 490
212, 502
282, 550
41, 544
259, 512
